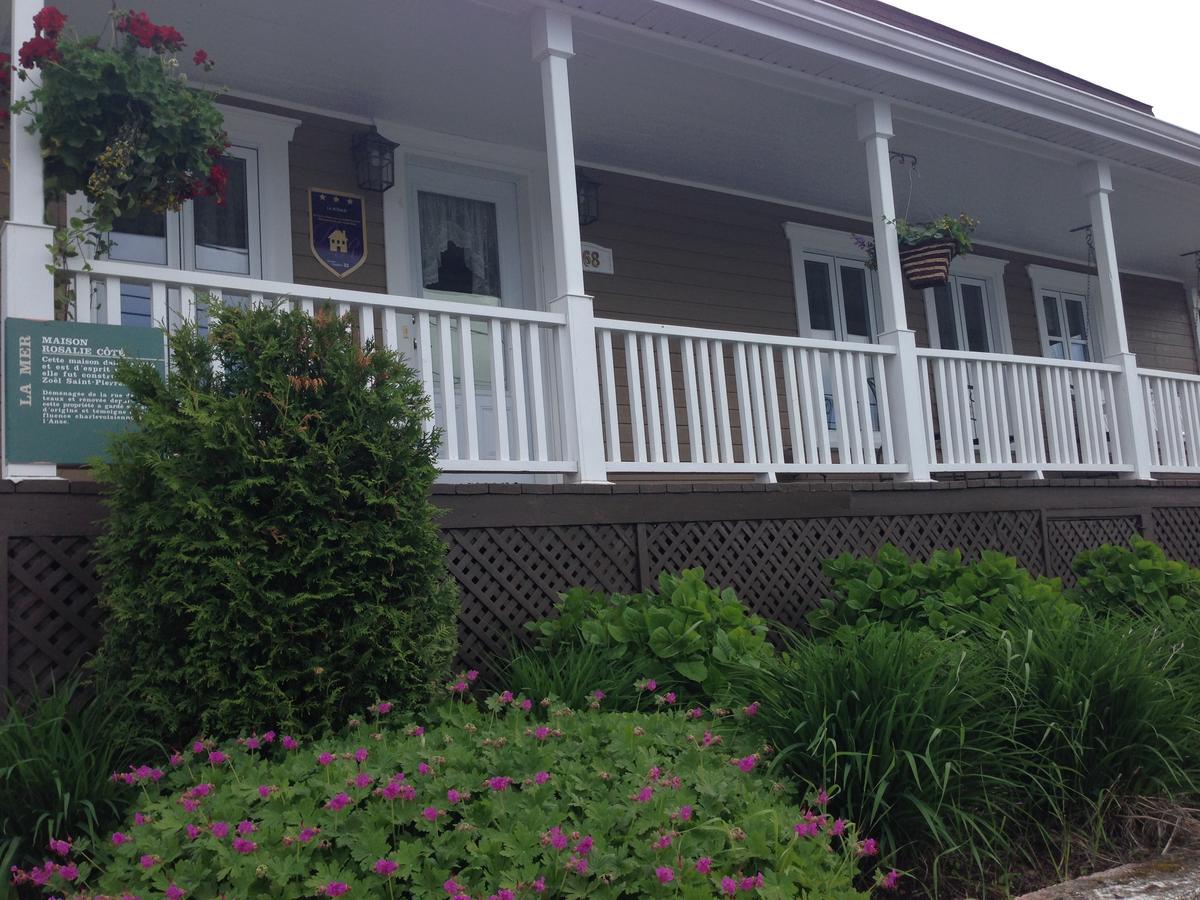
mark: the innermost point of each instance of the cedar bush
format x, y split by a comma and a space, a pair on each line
270, 556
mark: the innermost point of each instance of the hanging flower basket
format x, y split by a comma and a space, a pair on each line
927, 265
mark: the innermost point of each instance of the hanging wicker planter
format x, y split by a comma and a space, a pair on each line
928, 264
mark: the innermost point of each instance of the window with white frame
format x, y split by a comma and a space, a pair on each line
970, 312
1063, 303
836, 295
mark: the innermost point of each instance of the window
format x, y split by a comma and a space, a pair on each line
835, 292
970, 312
1064, 313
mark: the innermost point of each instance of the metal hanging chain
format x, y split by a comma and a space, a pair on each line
1089, 238
909, 160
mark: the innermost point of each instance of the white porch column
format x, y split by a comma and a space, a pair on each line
903, 378
26, 286
578, 366
1130, 416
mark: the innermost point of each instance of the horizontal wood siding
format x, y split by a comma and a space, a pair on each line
689, 256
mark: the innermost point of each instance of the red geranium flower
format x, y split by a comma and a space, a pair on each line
38, 50
146, 34
200, 57
49, 22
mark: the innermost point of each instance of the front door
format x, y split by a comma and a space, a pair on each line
203, 236
465, 244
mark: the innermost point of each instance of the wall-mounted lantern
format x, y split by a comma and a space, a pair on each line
589, 198
374, 161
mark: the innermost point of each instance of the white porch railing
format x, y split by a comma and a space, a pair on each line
994, 412
1172, 402
693, 400
487, 370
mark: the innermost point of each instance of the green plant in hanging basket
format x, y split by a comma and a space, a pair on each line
954, 230
118, 123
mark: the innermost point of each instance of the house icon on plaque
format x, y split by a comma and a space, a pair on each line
338, 242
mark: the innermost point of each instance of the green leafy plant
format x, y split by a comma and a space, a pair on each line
1137, 578
474, 803
945, 594
958, 229
683, 636
573, 675
119, 123
270, 555
58, 751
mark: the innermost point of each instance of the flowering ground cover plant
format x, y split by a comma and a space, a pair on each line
509, 800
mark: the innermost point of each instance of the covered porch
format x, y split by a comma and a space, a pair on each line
716, 318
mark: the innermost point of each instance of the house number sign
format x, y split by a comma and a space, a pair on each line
61, 397
597, 259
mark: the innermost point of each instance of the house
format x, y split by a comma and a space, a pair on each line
723, 333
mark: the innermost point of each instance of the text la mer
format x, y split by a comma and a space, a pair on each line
25, 368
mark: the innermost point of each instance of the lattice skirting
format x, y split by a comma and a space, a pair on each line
49, 619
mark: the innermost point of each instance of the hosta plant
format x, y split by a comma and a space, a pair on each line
684, 636
511, 800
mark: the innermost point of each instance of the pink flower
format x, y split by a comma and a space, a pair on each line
139, 818
176, 760
499, 783
430, 813
503, 894
307, 834
650, 685
326, 758
555, 838
201, 790
822, 797
585, 845
869, 847
220, 830
645, 795
729, 886
695, 712
450, 886
751, 710
472, 675
539, 885
669, 697
598, 695
890, 880
290, 743
746, 763
245, 827
241, 845
338, 802
198, 747
417, 731
335, 889
360, 755
577, 864
175, 893
362, 780
68, 872
838, 828
119, 838
459, 687
453, 796
665, 874
385, 867
704, 865
506, 697
193, 831
264, 791
217, 758
423, 768
384, 708
268, 737
663, 842
684, 814
147, 861
541, 777
62, 848
526, 705
541, 732
251, 743
807, 829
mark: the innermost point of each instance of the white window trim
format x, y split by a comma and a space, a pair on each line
987, 269
271, 136
811, 240
1047, 278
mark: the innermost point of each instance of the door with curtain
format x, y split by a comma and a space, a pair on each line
465, 243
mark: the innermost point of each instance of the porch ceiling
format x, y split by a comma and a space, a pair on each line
668, 107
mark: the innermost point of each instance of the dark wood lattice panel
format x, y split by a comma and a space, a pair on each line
1177, 531
508, 576
53, 617
774, 565
1067, 538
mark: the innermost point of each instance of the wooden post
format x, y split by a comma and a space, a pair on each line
903, 376
1130, 414
578, 366
26, 286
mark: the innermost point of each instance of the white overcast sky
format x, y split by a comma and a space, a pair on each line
1146, 50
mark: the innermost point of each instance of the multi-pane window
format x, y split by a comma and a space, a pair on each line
962, 315
1065, 322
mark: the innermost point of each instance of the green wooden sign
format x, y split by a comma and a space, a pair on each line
61, 399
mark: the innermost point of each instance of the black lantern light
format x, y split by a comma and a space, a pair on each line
589, 198
374, 161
